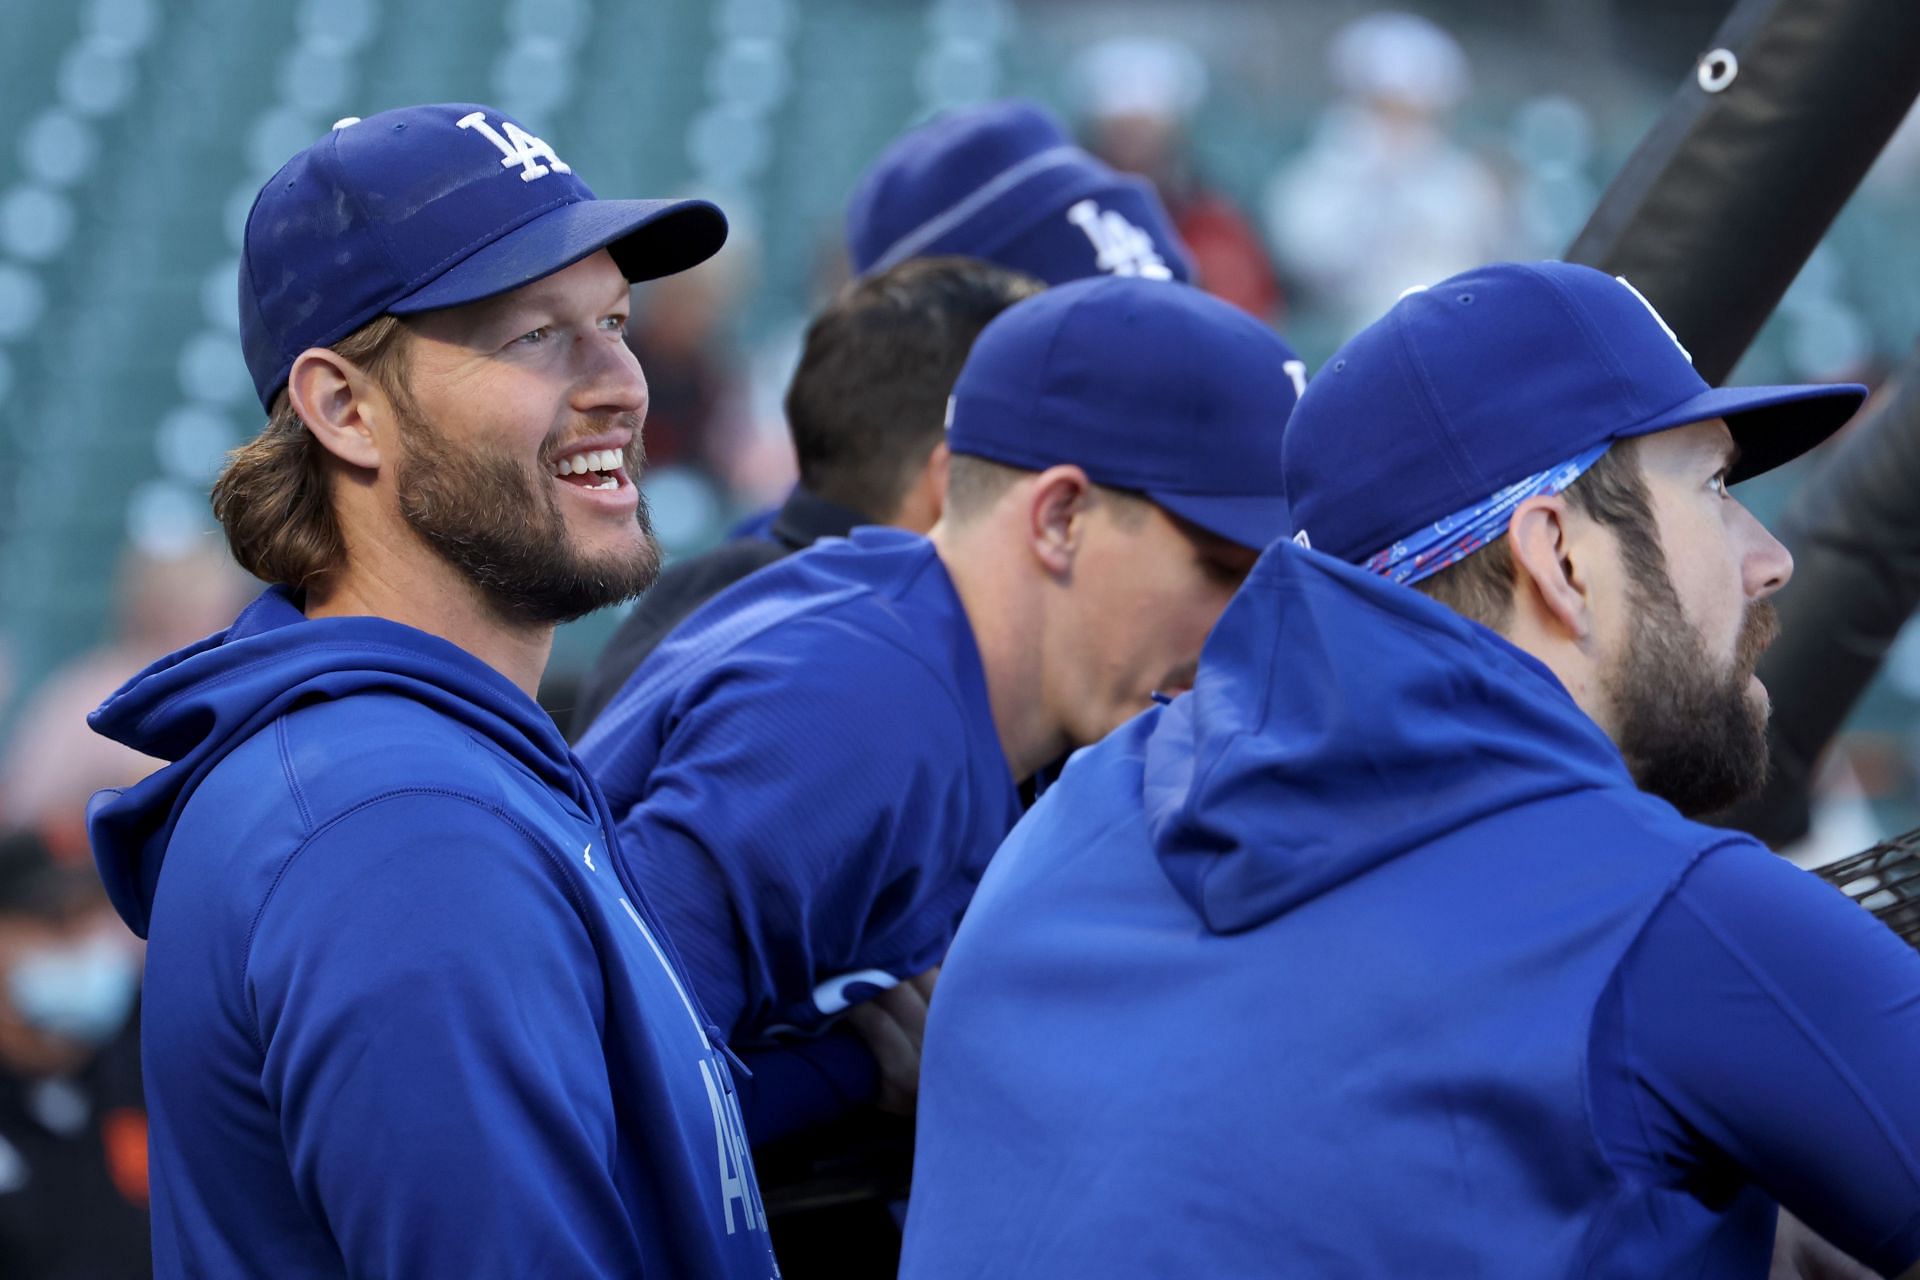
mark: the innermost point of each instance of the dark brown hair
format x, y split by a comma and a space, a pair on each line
273, 498
868, 401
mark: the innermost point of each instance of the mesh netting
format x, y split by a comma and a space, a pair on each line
1886, 881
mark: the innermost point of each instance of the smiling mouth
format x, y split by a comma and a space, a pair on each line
592, 469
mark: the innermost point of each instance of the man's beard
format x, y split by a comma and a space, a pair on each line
494, 520
1690, 729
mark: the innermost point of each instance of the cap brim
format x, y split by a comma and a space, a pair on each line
648, 239
1772, 425
1249, 520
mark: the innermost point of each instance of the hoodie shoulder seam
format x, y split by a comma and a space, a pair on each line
293, 778
446, 793
1600, 1147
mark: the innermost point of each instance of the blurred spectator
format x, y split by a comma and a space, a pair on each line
708, 453
54, 762
681, 338
1139, 94
1383, 199
73, 1127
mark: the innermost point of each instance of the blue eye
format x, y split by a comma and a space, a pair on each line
534, 337
1719, 485
615, 324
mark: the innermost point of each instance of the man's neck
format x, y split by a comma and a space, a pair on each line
434, 597
1008, 636
1573, 664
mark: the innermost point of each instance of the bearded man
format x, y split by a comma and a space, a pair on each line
405, 1013
1393, 948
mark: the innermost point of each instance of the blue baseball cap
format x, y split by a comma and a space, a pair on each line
1148, 386
1003, 182
427, 207
1498, 373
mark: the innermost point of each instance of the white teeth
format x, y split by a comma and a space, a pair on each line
578, 464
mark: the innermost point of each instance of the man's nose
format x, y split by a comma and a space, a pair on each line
1767, 564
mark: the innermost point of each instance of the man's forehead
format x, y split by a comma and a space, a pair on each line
1710, 437
595, 279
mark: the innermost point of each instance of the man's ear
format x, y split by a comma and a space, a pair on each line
338, 404
1057, 503
1553, 572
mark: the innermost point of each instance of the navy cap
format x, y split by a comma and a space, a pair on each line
1148, 386
1498, 373
1003, 182
428, 207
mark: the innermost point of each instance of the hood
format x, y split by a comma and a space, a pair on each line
194, 707
1339, 721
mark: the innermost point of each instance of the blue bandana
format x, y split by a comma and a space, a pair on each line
1450, 540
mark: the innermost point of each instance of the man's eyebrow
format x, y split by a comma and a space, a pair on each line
1730, 454
534, 297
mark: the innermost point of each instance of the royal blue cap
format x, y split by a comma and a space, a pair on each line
428, 207
1003, 182
1149, 386
1495, 374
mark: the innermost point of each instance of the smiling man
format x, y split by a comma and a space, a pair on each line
1392, 949
405, 1012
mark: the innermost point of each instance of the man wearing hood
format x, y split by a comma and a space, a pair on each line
1392, 949
405, 1012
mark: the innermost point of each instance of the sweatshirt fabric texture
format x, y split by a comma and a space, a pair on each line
1367, 957
685, 585
404, 1014
808, 780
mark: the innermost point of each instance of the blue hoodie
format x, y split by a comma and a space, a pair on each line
1368, 958
404, 1015
808, 779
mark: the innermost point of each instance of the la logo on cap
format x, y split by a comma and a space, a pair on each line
1119, 247
518, 147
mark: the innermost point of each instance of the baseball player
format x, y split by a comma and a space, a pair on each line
406, 1013
811, 773
1004, 183
866, 407
1393, 948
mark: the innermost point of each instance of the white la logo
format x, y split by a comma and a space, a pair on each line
518, 148
1119, 246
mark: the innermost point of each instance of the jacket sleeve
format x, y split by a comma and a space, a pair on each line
1766, 1023
429, 1006
802, 821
